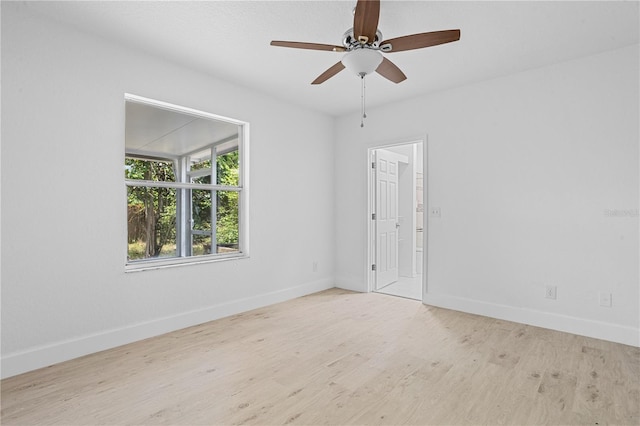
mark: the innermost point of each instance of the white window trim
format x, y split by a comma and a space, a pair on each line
242, 189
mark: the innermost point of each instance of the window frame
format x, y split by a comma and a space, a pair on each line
243, 192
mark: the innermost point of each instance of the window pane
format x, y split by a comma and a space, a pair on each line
159, 171
151, 222
200, 160
206, 180
227, 169
227, 221
201, 222
201, 245
201, 209
226, 217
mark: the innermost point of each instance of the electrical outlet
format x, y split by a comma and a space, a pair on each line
434, 212
605, 299
315, 266
550, 292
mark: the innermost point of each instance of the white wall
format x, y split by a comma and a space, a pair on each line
64, 289
524, 168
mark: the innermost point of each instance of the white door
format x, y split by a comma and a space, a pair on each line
386, 172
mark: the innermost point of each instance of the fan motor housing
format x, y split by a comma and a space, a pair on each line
350, 42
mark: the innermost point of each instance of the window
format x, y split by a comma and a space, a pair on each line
186, 179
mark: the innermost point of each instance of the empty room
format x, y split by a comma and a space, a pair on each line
320, 212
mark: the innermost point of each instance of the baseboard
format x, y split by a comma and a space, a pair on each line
580, 326
32, 359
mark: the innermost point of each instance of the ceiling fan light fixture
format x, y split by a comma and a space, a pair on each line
362, 61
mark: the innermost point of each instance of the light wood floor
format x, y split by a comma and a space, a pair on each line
410, 288
338, 357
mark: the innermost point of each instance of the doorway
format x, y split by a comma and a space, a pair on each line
396, 233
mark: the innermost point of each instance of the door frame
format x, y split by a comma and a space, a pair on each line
370, 206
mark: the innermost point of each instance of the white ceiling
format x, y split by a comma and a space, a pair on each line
230, 40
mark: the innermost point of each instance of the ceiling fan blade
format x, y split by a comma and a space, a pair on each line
311, 46
365, 20
418, 41
329, 73
390, 71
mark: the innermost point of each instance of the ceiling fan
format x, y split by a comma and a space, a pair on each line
363, 45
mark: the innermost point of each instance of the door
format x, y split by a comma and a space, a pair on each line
386, 223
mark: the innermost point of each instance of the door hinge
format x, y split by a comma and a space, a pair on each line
373, 165
373, 216
373, 267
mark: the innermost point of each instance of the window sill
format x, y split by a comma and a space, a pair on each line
146, 265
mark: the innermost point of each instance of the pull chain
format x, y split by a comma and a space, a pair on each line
364, 114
